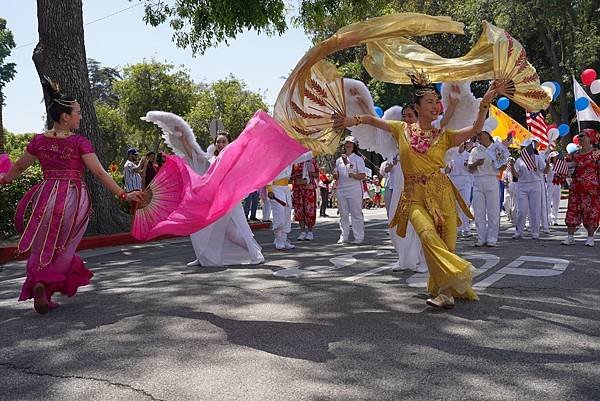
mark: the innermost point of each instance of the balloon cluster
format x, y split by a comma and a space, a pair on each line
552, 88
588, 77
379, 111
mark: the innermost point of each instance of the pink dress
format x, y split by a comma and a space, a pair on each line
58, 210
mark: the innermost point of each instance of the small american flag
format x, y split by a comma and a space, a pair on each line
560, 166
538, 127
528, 156
561, 170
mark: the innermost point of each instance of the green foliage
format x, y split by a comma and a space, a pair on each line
7, 70
101, 82
228, 100
11, 194
118, 135
202, 24
153, 86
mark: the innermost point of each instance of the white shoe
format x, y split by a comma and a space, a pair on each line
342, 241
193, 263
492, 244
258, 260
589, 242
356, 242
516, 236
568, 241
302, 236
421, 268
279, 245
546, 231
479, 244
289, 245
309, 236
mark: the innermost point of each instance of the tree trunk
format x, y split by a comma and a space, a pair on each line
60, 55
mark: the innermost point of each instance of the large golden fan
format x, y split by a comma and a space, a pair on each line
511, 65
308, 113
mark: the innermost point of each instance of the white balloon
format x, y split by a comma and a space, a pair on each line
572, 148
553, 134
490, 124
595, 87
549, 86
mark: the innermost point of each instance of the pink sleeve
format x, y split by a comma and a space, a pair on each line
85, 146
32, 146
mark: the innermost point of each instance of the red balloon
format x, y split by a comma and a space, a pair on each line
588, 76
576, 140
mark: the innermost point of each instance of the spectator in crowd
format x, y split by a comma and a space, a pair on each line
151, 168
251, 206
266, 205
133, 171
324, 189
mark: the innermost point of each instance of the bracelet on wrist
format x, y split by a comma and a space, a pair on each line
484, 106
357, 119
123, 196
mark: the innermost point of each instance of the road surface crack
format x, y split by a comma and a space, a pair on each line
28, 370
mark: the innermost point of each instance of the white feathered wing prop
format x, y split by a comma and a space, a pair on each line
465, 112
175, 131
360, 101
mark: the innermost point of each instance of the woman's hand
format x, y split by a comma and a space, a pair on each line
341, 121
135, 196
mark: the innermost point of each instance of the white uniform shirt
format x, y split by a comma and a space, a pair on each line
458, 164
487, 168
526, 175
392, 175
345, 184
133, 180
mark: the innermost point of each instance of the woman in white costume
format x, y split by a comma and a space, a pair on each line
229, 240
486, 193
462, 178
349, 172
529, 192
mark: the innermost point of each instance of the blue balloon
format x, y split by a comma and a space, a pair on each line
379, 111
582, 103
557, 90
503, 103
563, 129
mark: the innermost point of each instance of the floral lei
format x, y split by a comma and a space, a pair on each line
421, 140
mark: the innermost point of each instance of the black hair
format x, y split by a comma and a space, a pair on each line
221, 133
422, 85
354, 147
58, 103
410, 106
150, 153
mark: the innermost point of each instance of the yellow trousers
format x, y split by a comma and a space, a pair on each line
447, 271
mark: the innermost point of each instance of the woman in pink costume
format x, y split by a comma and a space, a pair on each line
59, 205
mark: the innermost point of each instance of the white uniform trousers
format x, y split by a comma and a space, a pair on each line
544, 207
486, 207
529, 203
554, 201
464, 184
282, 215
350, 206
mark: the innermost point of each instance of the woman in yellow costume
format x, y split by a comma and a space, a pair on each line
429, 199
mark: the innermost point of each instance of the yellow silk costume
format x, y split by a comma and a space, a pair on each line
429, 202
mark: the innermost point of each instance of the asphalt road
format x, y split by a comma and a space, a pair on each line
322, 322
